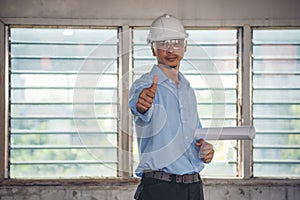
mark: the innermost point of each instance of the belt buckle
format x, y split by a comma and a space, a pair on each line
186, 179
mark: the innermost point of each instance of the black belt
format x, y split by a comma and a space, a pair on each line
186, 178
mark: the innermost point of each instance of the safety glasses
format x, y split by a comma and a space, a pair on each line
166, 44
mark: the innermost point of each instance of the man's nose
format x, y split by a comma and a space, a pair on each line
170, 48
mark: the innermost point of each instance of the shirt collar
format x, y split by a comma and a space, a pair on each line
157, 71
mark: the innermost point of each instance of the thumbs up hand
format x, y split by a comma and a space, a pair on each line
146, 97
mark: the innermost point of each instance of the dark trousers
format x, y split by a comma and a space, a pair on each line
154, 189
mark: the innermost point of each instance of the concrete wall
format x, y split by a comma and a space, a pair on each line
253, 189
141, 13
134, 11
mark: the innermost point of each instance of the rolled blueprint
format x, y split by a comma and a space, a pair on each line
226, 133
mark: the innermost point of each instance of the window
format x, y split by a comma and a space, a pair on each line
211, 66
276, 102
65, 96
63, 102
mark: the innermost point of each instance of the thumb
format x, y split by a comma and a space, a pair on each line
200, 142
154, 84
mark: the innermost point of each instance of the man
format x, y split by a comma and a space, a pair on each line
165, 111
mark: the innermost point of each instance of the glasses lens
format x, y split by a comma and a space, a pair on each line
164, 45
177, 44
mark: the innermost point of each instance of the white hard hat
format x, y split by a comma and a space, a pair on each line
166, 27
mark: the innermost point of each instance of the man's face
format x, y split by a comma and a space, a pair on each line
169, 52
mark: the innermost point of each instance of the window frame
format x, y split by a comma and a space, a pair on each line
240, 166
244, 102
4, 102
4, 89
251, 57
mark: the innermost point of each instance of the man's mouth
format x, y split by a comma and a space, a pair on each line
171, 58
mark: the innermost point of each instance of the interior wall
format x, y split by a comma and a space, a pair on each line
131, 11
97, 190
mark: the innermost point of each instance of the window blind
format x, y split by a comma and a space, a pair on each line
276, 102
63, 102
211, 65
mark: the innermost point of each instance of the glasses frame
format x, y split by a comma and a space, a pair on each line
167, 44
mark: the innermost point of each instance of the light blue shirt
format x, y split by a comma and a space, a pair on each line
165, 133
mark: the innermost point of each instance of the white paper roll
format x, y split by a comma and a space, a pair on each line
226, 133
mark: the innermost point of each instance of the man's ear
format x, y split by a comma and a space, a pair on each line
185, 46
153, 51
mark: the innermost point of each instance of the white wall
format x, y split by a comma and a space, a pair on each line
130, 12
